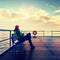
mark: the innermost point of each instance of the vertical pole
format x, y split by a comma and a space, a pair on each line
51, 33
43, 33
10, 38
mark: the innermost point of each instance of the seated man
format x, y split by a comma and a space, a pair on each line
22, 38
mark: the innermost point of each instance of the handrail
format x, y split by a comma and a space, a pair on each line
4, 40
43, 32
54, 32
5, 30
10, 35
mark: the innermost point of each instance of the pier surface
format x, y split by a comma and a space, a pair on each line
46, 48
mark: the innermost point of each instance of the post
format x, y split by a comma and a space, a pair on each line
51, 33
43, 33
10, 38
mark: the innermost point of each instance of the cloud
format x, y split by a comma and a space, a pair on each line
52, 24
23, 13
57, 11
47, 18
56, 19
28, 17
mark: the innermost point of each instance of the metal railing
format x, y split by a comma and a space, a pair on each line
10, 33
9, 36
55, 32
38, 33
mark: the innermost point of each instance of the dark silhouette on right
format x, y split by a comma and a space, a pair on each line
22, 38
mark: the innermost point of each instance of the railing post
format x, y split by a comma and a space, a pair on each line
51, 33
10, 38
43, 33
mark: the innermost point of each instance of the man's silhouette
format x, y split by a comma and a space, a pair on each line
22, 37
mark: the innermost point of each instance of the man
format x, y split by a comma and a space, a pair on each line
22, 37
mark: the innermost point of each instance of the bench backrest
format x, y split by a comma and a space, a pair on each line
14, 38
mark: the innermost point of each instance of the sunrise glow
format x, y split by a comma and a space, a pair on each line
30, 15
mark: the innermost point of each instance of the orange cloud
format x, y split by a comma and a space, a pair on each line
52, 24
23, 13
29, 17
46, 18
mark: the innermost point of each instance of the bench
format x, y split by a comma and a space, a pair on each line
14, 40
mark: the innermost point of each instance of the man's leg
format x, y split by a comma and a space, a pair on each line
28, 37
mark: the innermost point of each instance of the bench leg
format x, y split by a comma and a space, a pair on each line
13, 40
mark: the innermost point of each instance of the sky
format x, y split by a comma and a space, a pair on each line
30, 14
